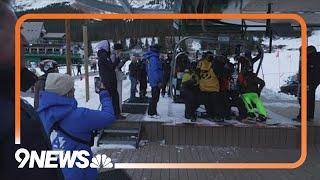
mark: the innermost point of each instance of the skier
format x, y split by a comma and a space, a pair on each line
32, 133
70, 127
46, 66
210, 87
155, 77
107, 72
250, 88
234, 96
252, 60
189, 93
94, 66
133, 75
79, 69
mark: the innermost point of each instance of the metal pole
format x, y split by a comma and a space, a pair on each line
68, 46
86, 59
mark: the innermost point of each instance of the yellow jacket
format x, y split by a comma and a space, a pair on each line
208, 80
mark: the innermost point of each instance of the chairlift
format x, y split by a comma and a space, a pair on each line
220, 46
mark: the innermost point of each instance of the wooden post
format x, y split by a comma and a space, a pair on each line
86, 59
68, 46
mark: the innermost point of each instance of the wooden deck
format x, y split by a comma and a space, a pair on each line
157, 152
251, 136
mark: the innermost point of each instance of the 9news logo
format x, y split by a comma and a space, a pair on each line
61, 159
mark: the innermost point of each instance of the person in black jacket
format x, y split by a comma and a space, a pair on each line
133, 75
166, 65
142, 78
33, 136
313, 81
107, 72
79, 69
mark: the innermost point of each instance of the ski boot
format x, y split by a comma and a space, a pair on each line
261, 118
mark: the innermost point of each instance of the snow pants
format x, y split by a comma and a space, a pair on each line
211, 101
155, 93
251, 99
133, 87
190, 98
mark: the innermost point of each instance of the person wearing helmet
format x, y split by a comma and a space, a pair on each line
252, 60
210, 87
250, 87
46, 66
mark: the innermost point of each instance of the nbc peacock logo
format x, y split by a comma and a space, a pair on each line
101, 161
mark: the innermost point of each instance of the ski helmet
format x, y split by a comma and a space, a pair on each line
48, 66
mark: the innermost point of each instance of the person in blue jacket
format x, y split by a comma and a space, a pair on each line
70, 127
155, 78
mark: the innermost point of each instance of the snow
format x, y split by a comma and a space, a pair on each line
275, 96
22, 5
147, 5
276, 70
96, 149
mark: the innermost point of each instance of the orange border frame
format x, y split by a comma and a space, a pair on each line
295, 17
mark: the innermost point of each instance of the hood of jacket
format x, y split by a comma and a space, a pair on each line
53, 108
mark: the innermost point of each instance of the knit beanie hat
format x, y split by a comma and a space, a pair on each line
59, 83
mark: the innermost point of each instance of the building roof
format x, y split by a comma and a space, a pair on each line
32, 30
54, 35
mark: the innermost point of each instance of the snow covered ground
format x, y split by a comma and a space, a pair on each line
282, 63
22, 5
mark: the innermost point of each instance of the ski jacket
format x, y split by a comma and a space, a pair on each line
154, 68
208, 82
55, 110
134, 69
250, 83
107, 71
